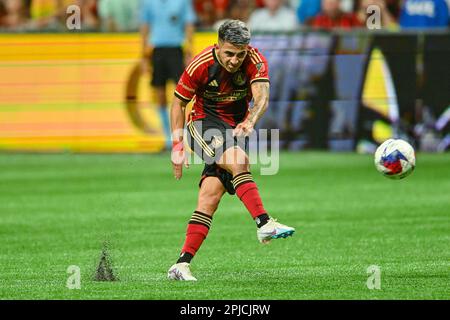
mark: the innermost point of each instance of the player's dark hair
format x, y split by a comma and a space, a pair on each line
235, 32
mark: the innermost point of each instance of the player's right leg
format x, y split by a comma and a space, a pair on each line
211, 191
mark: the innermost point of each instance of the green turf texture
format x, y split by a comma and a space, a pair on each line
57, 210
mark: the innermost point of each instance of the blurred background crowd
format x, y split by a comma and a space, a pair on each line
261, 15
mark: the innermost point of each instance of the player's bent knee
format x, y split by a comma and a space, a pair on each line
239, 168
210, 194
208, 204
235, 161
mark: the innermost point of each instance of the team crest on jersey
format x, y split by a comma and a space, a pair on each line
216, 141
260, 67
239, 78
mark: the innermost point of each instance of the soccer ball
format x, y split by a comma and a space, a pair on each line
395, 159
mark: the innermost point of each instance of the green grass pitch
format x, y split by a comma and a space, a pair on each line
57, 210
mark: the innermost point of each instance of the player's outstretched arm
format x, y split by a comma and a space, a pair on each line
260, 91
178, 156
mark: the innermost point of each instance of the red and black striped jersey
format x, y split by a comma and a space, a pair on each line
218, 93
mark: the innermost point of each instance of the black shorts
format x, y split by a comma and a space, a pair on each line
209, 139
212, 170
167, 64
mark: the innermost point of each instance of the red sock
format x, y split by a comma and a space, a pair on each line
197, 230
248, 192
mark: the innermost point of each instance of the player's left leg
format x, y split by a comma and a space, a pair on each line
161, 100
171, 66
235, 161
160, 76
211, 191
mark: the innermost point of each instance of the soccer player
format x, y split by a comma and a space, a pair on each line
223, 79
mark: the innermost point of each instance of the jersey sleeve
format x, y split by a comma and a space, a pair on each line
188, 85
258, 69
194, 76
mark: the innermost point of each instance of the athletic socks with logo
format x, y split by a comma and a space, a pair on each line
197, 230
185, 257
262, 220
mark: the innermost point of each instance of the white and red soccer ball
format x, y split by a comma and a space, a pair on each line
395, 159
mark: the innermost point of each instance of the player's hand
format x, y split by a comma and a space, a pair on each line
178, 158
245, 128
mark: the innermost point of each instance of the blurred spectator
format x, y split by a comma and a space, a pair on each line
237, 10
292, 3
331, 16
307, 10
3, 14
48, 14
209, 11
310, 8
348, 5
424, 14
13, 14
220, 7
118, 15
273, 17
241, 9
393, 6
45, 9
387, 19
51, 14
89, 14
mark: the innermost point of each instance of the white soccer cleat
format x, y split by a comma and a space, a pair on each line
273, 230
180, 271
